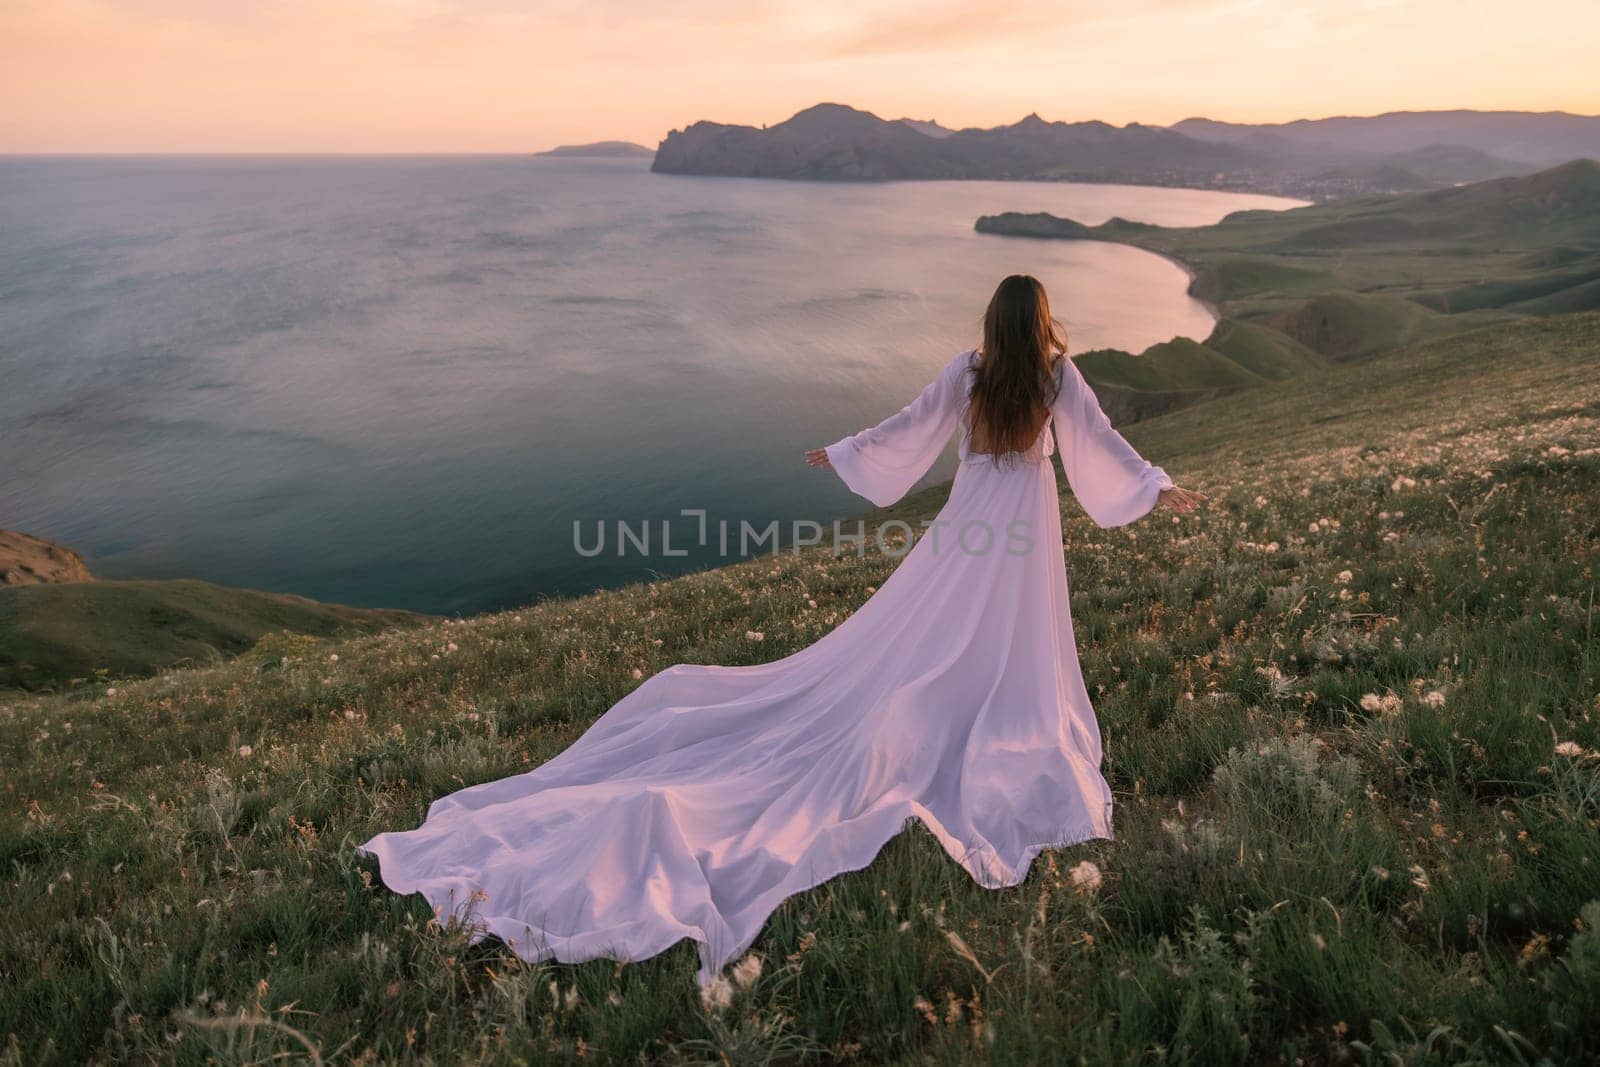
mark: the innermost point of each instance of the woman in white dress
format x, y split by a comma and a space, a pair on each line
708, 795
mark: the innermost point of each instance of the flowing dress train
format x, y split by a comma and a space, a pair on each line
708, 795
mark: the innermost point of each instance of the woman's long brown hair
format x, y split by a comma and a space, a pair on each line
1015, 378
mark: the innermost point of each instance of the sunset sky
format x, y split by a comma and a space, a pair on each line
497, 75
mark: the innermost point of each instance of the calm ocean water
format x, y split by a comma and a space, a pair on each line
398, 382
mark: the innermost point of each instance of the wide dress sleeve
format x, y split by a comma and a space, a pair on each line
1113, 482
884, 461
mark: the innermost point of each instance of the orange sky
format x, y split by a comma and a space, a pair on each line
497, 75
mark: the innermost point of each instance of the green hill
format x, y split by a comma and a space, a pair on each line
1355, 278
1350, 718
1179, 364
51, 635
1266, 352
1344, 325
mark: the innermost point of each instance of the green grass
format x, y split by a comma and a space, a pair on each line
1332, 704
56, 636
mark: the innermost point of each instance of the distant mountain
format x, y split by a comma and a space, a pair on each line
601, 150
1317, 159
1535, 137
832, 141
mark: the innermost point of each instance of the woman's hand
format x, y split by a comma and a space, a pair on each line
1180, 500
817, 457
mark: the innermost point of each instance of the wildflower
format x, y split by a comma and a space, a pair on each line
111, 692
453, 647
1272, 546
333, 657
1402, 482
1380, 704
1086, 877
1345, 576
754, 635
246, 751
637, 673
717, 995
1569, 748
1261, 501
747, 971
1434, 698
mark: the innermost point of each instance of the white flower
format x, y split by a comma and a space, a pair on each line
1345, 576
747, 971
754, 635
1402, 482
717, 995
246, 751
453, 647
637, 673
1569, 748
333, 657
1086, 877
1261, 501
111, 692
1434, 698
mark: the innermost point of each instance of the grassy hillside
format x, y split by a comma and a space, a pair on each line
1354, 278
52, 636
1351, 716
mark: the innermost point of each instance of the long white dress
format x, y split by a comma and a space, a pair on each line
708, 795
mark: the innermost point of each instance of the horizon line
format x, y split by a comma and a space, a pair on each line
42, 153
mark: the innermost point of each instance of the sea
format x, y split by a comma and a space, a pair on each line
451, 383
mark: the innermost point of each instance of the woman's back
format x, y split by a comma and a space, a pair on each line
975, 444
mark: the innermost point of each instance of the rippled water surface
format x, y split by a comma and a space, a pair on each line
399, 381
